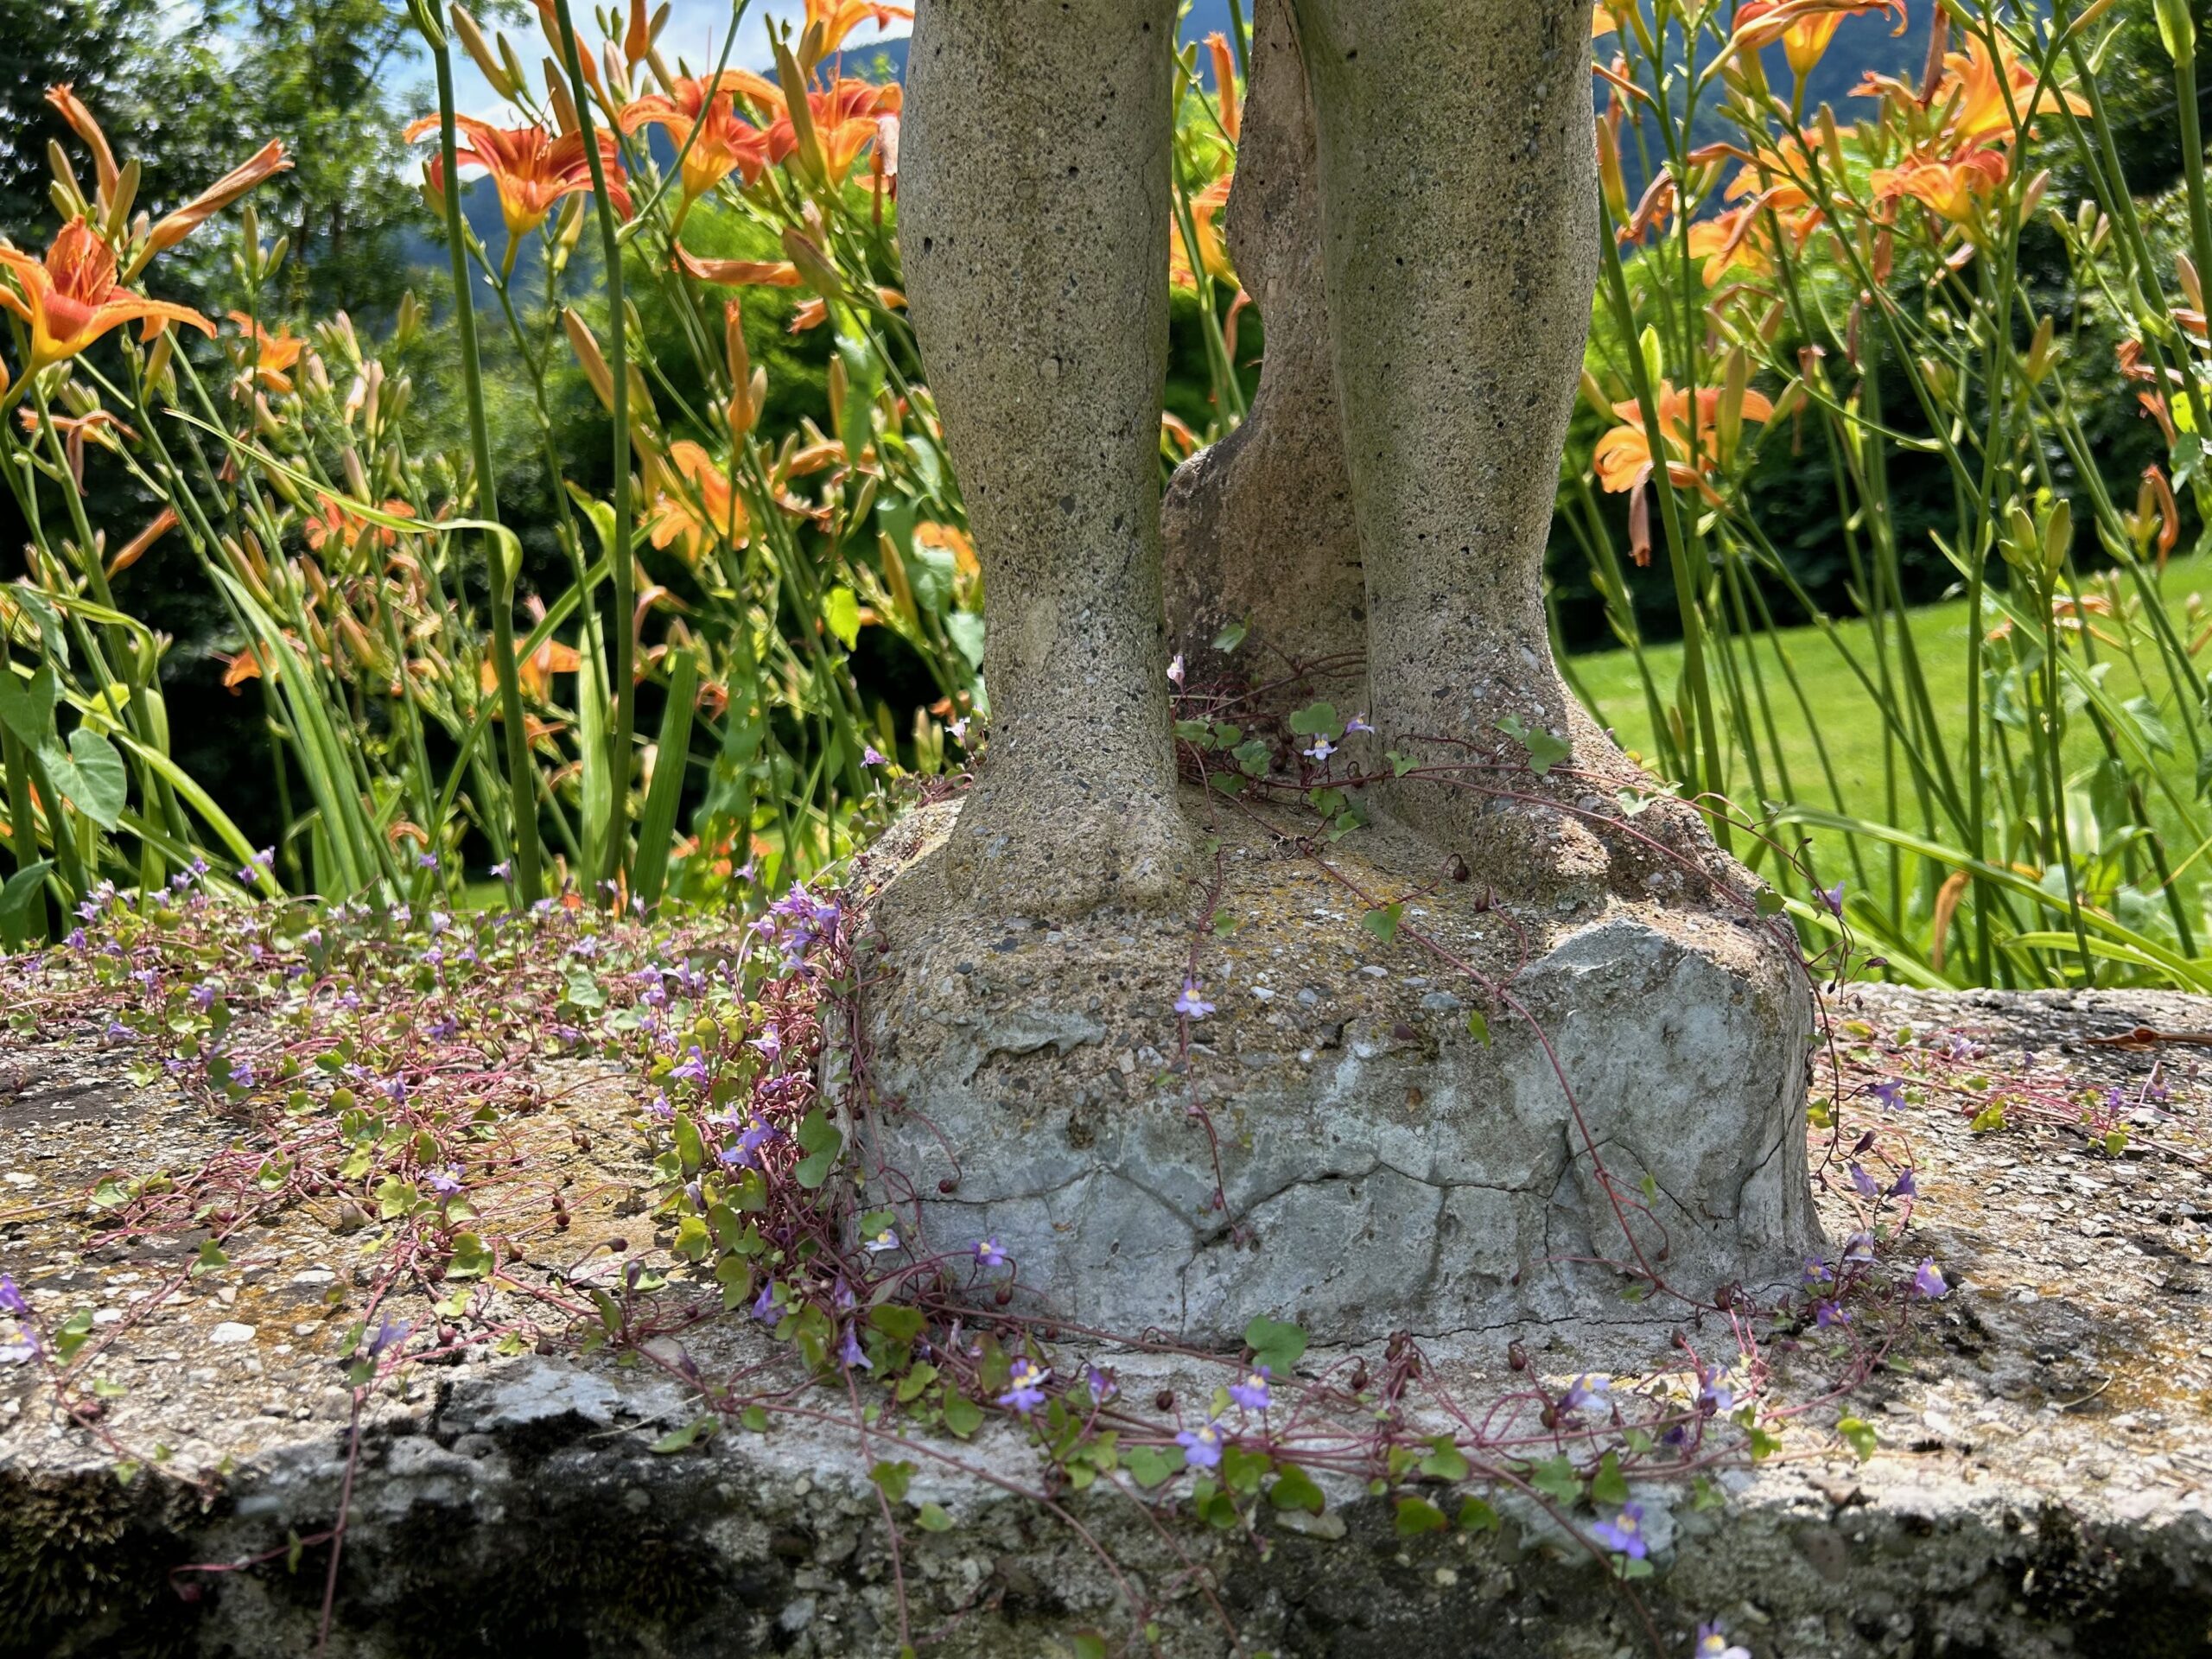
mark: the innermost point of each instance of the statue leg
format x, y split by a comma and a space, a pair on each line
1034, 208
1460, 205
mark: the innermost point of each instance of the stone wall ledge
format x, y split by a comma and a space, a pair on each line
2042, 1485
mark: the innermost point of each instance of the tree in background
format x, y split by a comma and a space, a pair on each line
98, 46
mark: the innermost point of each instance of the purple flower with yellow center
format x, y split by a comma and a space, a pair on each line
1027, 1392
1252, 1392
886, 1240
770, 1043
693, 1069
389, 1333
1190, 1005
1928, 1282
1714, 1394
1322, 750
1858, 1248
445, 1182
1357, 723
1711, 1644
1201, 1446
1624, 1533
1589, 1393
987, 1253
11, 1299
1828, 1315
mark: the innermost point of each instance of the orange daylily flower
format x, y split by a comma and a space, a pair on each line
839, 18
532, 169
274, 354
1602, 21
534, 678
845, 118
75, 431
1205, 220
1624, 459
1803, 27
738, 273
72, 297
1224, 83
708, 514
1977, 96
134, 550
81, 122
1950, 189
723, 143
264, 162
333, 521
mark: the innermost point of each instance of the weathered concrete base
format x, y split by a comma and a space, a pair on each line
2041, 1490
1383, 1167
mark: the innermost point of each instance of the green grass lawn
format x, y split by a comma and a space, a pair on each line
1832, 709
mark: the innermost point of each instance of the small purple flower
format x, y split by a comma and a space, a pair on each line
1858, 1248
11, 1299
1904, 1186
1828, 1315
503, 869
693, 1069
771, 1044
1832, 896
1028, 1390
988, 1254
959, 730
1321, 751
1864, 1182
1101, 1385
1357, 723
1175, 671
1711, 1644
75, 938
1817, 1272
1715, 1396
1191, 1004
1890, 1092
885, 1241
1201, 1446
203, 995
426, 860
1589, 1393
1252, 1392
1929, 1281
439, 922
871, 756
1624, 1533
390, 1333
850, 1352
764, 1304
241, 1074
445, 1182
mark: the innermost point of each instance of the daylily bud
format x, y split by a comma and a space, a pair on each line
120, 199
479, 52
1609, 173
1831, 141
2177, 30
557, 94
512, 64
65, 179
821, 276
2057, 540
586, 346
1792, 399
2191, 284
2032, 197
157, 361
1594, 395
740, 408
1736, 379
2039, 360
1224, 81
638, 38
794, 86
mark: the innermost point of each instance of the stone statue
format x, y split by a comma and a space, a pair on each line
1340, 1142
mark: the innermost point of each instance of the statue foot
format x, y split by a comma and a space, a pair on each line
1593, 824
1054, 852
